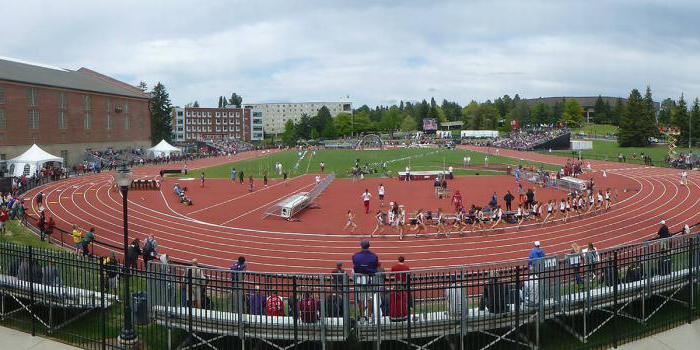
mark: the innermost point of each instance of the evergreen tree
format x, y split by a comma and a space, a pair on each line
648, 121
322, 119
195, 104
142, 86
224, 102
617, 113
679, 119
630, 134
667, 107
557, 112
221, 103
601, 111
303, 127
695, 122
469, 116
160, 107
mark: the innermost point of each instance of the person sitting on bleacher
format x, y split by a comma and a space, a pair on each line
530, 294
308, 309
493, 297
50, 275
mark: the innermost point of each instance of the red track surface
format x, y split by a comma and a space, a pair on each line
227, 221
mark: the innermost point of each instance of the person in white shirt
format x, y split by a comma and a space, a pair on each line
684, 178
318, 179
469, 161
530, 293
408, 174
497, 216
380, 192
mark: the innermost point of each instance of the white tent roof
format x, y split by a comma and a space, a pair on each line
35, 155
164, 146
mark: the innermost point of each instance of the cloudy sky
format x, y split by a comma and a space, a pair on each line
375, 52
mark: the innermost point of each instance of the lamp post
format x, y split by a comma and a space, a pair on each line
128, 335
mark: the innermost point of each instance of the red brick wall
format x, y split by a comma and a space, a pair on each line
16, 108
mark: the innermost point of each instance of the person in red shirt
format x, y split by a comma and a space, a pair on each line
275, 305
401, 270
3, 219
308, 309
457, 200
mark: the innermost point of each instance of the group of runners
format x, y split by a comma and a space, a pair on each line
477, 218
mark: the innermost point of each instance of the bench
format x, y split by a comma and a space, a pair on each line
51, 296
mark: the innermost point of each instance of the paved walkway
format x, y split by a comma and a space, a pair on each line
17, 340
679, 338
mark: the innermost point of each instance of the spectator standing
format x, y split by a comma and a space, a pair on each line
77, 238
150, 249
4, 217
132, 254
198, 284
530, 292
257, 301
111, 268
50, 226
241, 177
663, 230
365, 264
87, 240
494, 295
535, 254
508, 198
400, 270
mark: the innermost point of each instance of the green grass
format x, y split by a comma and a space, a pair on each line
608, 150
342, 161
18, 234
596, 129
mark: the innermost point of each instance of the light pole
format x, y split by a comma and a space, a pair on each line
128, 335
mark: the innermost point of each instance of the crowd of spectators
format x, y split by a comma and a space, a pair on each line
529, 139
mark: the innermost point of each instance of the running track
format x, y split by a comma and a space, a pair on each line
222, 226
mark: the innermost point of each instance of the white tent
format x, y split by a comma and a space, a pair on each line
28, 162
163, 149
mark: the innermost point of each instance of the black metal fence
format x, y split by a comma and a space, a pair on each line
583, 300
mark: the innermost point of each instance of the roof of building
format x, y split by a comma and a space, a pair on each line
82, 79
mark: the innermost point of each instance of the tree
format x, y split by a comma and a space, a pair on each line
616, 115
540, 114
630, 134
695, 121
303, 127
408, 124
648, 121
488, 115
289, 137
391, 120
221, 101
470, 116
322, 119
329, 131
343, 124
667, 107
235, 100
679, 118
573, 113
142, 86
314, 134
557, 112
601, 111
160, 107
362, 123
520, 112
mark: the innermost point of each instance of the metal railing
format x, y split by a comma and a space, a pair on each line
587, 300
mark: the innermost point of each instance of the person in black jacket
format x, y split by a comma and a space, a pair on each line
508, 198
494, 295
133, 253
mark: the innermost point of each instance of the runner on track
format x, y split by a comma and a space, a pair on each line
380, 192
350, 221
366, 196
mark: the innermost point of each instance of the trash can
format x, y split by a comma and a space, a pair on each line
139, 307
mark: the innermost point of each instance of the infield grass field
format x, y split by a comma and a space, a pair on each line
342, 161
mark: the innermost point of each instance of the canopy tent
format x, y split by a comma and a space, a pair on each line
163, 149
30, 161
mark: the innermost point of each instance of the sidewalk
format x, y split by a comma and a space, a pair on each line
16, 340
679, 338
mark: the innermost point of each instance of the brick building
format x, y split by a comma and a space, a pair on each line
218, 124
66, 112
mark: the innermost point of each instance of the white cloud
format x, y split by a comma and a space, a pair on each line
374, 52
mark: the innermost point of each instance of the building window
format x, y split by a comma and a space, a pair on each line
3, 120
87, 102
2, 95
62, 119
179, 113
62, 100
33, 119
109, 121
127, 122
126, 107
87, 120
32, 97
108, 106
